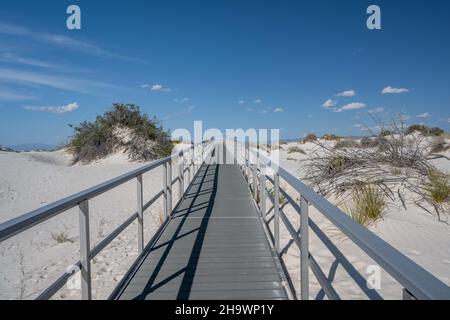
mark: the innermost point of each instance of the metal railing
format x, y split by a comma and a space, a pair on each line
197, 154
416, 281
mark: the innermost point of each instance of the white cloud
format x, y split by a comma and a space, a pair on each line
424, 115
329, 104
279, 109
376, 110
241, 101
348, 93
390, 89
144, 86
351, 106
159, 87
59, 110
257, 101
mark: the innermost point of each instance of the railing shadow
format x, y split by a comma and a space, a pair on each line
189, 269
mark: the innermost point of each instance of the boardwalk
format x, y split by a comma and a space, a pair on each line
214, 247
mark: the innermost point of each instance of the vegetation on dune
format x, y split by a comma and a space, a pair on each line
330, 137
391, 163
122, 128
295, 149
367, 205
424, 130
346, 143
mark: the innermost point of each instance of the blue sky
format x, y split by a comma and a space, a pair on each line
234, 63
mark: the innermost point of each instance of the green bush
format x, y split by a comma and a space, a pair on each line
424, 130
98, 139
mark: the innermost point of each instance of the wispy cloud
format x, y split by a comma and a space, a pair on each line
279, 109
329, 104
10, 95
351, 106
424, 115
61, 41
257, 101
376, 110
348, 93
241, 101
56, 82
58, 110
391, 90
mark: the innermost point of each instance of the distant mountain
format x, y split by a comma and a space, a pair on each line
32, 147
2, 148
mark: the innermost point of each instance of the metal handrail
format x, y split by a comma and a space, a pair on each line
418, 283
24, 222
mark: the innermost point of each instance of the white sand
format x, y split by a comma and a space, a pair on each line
414, 232
30, 261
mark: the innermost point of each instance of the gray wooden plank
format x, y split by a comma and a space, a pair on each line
214, 247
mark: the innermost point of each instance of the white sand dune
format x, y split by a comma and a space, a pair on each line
30, 261
413, 231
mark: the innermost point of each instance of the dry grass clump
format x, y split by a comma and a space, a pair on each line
346, 144
369, 142
61, 237
400, 162
439, 145
122, 128
295, 149
438, 186
368, 204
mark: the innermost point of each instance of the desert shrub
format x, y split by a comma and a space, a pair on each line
296, 149
346, 144
310, 137
146, 140
435, 131
330, 137
369, 142
281, 197
368, 204
385, 133
438, 186
424, 130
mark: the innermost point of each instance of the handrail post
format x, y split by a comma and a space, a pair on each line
304, 250
85, 247
165, 178
235, 151
169, 188
140, 205
262, 197
181, 175
255, 179
276, 208
247, 161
